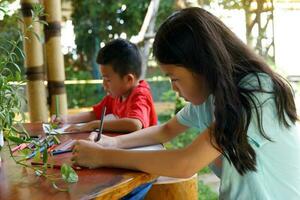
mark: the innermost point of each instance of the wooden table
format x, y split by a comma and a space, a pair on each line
17, 182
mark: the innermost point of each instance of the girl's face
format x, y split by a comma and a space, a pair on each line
192, 87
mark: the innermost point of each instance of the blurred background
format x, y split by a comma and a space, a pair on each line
271, 27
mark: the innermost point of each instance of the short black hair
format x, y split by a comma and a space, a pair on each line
123, 56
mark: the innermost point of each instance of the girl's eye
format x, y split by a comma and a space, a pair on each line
174, 80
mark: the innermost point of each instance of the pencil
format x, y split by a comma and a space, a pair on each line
20, 147
56, 152
40, 150
101, 125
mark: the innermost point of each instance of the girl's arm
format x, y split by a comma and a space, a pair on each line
148, 136
175, 163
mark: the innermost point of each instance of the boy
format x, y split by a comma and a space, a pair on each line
129, 104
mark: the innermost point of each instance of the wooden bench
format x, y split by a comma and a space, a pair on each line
168, 188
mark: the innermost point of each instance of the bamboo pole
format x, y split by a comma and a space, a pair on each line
54, 58
36, 92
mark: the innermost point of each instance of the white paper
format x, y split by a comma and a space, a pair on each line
149, 148
60, 130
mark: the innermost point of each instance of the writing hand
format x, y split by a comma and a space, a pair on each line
87, 154
59, 120
105, 141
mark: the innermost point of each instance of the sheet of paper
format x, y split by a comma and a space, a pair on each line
60, 130
149, 148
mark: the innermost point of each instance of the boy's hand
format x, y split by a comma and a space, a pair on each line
80, 128
87, 154
105, 141
59, 120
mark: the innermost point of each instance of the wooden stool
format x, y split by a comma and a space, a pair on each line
168, 188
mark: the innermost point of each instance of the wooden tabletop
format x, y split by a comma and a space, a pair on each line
17, 182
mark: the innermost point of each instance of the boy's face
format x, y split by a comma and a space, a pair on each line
191, 87
113, 84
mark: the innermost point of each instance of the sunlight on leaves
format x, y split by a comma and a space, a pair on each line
68, 174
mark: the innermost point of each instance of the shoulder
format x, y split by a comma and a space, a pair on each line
199, 116
108, 98
142, 85
142, 89
204, 108
256, 81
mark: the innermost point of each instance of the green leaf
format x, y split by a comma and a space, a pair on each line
56, 140
45, 156
16, 139
53, 126
17, 67
21, 52
43, 22
37, 36
25, 152
68, 174
2, 10
37, 156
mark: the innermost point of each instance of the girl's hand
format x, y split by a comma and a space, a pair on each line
80, 128
105, 141
87, 154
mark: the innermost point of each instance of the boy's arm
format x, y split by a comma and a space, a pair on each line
141, 107
122, 125
80, 117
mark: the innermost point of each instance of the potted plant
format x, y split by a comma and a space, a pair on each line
12, 99
10, 80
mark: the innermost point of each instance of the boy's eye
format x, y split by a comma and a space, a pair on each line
174, 80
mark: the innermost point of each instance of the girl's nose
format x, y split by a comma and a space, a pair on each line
174, 87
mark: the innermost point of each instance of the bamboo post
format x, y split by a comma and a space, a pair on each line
36, 92
54, 57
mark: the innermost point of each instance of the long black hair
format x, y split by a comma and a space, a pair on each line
195, 39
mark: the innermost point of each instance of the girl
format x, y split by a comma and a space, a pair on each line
244, 111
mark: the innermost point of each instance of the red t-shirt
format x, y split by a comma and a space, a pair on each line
138, 105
